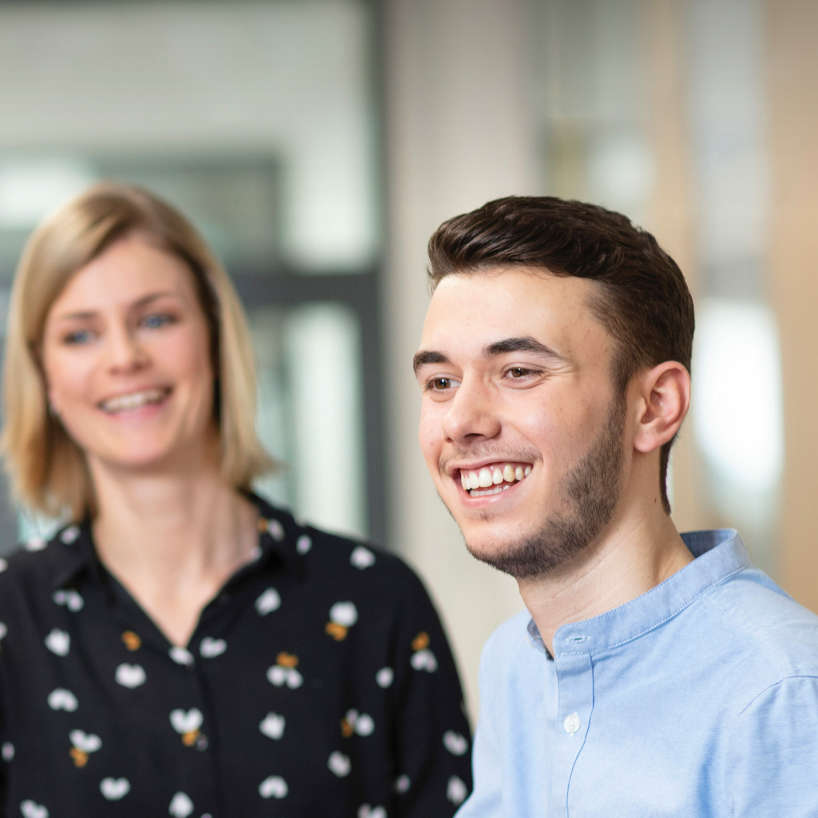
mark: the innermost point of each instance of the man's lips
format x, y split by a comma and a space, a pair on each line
491, 478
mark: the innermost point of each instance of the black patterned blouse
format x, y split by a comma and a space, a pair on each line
317, 683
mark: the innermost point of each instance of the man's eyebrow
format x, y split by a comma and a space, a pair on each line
521, 344
517, 344
428, 356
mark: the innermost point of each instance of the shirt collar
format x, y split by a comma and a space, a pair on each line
279, 535
718, 555
77, 557
277, 541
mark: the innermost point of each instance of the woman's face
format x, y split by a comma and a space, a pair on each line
126, 355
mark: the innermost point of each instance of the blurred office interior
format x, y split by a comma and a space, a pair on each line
319, 142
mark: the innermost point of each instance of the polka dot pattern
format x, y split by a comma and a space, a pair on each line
318, 681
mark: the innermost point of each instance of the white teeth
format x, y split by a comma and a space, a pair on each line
492, 479
485, 492
133, 401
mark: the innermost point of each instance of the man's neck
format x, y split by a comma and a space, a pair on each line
632, 556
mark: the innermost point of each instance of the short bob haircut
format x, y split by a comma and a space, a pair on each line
642, 297
48, 471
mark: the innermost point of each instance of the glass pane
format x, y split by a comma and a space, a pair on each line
287, 82
310, 412
595, 88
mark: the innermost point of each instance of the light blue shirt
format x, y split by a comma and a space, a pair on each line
696, 699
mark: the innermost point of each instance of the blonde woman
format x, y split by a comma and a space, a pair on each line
180, 647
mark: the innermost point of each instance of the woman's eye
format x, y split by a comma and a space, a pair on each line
79, 336
157, 320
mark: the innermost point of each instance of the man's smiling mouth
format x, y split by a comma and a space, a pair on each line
493, 479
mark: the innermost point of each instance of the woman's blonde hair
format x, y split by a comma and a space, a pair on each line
47, 469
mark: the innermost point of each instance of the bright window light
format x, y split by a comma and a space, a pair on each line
737, 393
31, 190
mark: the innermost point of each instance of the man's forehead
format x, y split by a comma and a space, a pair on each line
485, 308
525, 293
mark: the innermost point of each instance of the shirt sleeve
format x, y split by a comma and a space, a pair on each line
433, 772
772, 767
486, 799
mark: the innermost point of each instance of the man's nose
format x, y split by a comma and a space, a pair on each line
471, 412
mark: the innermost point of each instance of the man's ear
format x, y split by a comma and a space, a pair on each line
664, 397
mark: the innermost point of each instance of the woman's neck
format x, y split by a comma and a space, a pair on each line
173, 542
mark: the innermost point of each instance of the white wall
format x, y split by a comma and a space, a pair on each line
261, 76
287, 78
459, 133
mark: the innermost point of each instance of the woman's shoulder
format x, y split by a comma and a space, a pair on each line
341, 558
42, 561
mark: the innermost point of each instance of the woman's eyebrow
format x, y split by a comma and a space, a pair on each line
79, 315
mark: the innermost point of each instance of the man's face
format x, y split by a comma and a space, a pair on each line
520, 424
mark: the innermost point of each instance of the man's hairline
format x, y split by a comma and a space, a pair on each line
592, 303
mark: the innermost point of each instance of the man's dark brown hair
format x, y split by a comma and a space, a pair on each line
642, 298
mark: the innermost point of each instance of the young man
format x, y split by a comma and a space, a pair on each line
653, 674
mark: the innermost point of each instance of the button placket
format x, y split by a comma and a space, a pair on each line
575, 702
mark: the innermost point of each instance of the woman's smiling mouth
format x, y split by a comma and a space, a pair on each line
134, 400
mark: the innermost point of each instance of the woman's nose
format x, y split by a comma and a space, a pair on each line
125, 352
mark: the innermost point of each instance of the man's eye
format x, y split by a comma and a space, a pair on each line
519, 372
439, 384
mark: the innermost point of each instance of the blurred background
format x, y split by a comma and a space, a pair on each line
318, 143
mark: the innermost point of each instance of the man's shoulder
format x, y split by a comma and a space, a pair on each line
754, 603
737, 617
759, 630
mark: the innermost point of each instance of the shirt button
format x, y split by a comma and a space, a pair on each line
571, 723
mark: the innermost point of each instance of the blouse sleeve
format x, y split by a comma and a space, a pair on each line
433, 750
6, 749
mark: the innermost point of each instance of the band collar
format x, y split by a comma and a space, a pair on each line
718, 555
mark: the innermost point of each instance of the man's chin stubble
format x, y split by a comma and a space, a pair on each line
541, 554
590, 493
